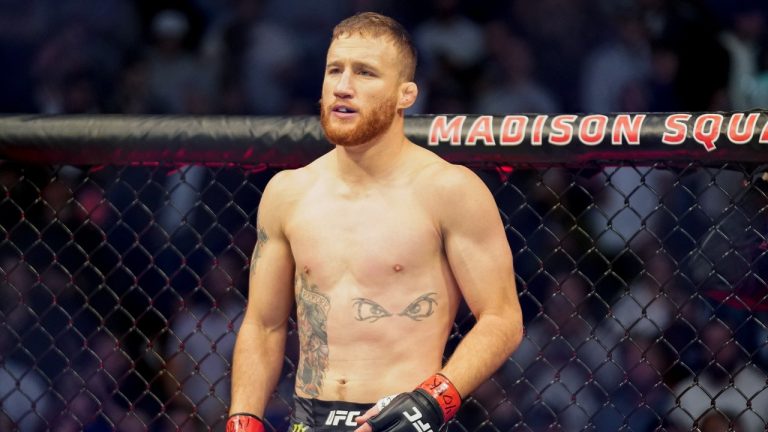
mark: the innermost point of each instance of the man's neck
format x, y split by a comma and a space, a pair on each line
371, 161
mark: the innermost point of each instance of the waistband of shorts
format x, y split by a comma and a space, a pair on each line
319, 413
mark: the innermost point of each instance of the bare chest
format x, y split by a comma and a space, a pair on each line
369, 237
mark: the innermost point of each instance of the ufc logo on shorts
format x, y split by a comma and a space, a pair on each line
336, 416
415, 420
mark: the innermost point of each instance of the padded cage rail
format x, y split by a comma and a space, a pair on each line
639, 243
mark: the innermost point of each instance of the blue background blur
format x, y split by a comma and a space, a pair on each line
258, 57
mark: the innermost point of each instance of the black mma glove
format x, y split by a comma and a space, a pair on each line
427, 408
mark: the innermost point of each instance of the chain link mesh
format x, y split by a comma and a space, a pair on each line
643, 293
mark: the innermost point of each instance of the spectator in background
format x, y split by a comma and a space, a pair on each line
450, 38
718, 421
510, 84
692, 30
24, 393
82, 54
80, 95
178, 81
549, 27
728, 383
22, 27
626, 199
636, 321
640, 400
132, 95
558, 357
200, 344
92, 389
26, 398
662, 89
309, 22
760, 93
655, 15
113, 23
451, 49
66, 68
254, 58
742, 42
643, 311
623, 60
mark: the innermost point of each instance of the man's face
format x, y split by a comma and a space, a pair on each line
360, 89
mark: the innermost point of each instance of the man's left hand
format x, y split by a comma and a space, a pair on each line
426, 409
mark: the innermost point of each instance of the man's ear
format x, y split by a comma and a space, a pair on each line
408, 93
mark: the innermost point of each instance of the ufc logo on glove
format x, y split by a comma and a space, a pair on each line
415, 420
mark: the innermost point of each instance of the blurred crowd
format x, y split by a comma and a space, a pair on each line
266, 57
121, 287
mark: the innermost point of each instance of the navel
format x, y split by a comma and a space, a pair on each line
341, 388
306, 270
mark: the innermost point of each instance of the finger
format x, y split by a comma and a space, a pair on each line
364, 428
368, 414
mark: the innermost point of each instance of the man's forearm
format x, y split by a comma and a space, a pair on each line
256, 366
436, 400
482, 351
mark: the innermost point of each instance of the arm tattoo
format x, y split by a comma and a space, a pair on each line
369, 310
261, 239
312, 311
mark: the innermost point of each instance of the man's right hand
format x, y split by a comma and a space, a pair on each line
244, 422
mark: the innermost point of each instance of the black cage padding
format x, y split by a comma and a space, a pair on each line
294, 141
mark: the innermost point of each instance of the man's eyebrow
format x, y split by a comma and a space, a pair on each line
355, 64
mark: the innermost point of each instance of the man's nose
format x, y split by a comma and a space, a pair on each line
343, 88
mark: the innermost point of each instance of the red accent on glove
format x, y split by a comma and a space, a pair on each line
244, 423
441, 388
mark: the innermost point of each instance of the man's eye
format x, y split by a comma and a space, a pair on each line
368, 310
366, 73
420, 308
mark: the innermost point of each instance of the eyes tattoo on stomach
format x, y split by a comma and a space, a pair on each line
419, 309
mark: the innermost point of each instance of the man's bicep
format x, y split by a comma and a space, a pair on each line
270, 292
477, 247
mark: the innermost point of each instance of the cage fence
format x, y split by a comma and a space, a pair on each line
643, 287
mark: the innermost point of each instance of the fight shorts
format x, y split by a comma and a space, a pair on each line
312, 415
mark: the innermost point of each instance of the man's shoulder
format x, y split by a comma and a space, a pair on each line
449, 190
440, 176
297, 179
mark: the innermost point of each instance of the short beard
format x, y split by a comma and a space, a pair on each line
369, 127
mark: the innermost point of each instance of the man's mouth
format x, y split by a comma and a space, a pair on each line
343, 111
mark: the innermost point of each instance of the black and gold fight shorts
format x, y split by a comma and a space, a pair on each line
312, 415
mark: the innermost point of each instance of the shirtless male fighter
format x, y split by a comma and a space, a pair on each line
376, 242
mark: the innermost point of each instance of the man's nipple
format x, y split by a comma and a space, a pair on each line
397, 268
